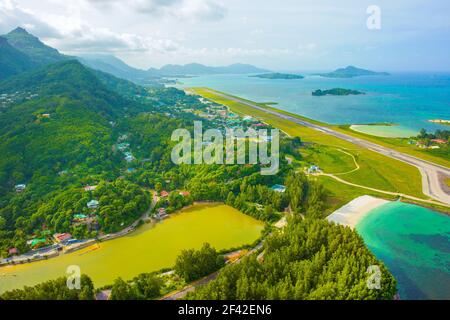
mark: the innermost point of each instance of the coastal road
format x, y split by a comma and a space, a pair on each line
432, 173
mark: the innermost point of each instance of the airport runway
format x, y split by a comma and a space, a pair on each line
432, 174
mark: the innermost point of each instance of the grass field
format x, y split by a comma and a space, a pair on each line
331, 159
376, 171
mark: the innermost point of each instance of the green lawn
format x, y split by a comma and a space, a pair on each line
331, 159
377, 171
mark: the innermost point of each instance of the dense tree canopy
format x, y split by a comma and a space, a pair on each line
53, 290
311, 259
194, 264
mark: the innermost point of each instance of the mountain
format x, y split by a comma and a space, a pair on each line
60, 118
118, 68
199, 69
38, 52
125, 88
30, 52
239, 68
12, 61
351, 71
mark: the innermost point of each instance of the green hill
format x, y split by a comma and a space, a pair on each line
114, 66
12, 61
58, 132
61, 118
38, 52
67, 79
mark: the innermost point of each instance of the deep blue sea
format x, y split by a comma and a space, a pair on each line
406, 99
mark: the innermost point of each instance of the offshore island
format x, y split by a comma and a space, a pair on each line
336, 92
351, 72
278, 76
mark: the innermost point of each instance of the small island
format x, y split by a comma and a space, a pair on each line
351, 71
278, 76
336, 92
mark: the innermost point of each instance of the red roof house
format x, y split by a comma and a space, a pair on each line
164, 194
12, 251
59, 237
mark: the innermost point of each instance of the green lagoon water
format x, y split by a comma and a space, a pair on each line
385, 131
414, 243
150, 248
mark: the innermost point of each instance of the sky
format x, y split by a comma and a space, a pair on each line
411, 35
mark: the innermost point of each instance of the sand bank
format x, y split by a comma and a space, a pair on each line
385, 131
355, 210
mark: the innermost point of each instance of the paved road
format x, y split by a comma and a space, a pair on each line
432, 174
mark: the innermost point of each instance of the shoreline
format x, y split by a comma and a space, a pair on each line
31, 256
88, 243
353, 212
204, 207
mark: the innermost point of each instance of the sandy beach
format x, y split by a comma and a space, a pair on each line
355, 210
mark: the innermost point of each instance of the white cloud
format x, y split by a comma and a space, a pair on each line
71, 34
12, 16
183, 9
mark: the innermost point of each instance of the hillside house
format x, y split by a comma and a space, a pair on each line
60, 237
93, 204
164, 194
313, 169
278, 188
20, 187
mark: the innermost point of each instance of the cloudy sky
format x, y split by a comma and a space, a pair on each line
276, 34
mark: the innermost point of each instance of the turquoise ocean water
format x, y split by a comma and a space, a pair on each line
414, 243
406, 99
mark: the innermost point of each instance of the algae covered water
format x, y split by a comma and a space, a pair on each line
150, 248
414, 243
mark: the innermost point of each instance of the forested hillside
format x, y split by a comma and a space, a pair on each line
12, 61
38, 52
64, 119
57, 134
310, 260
